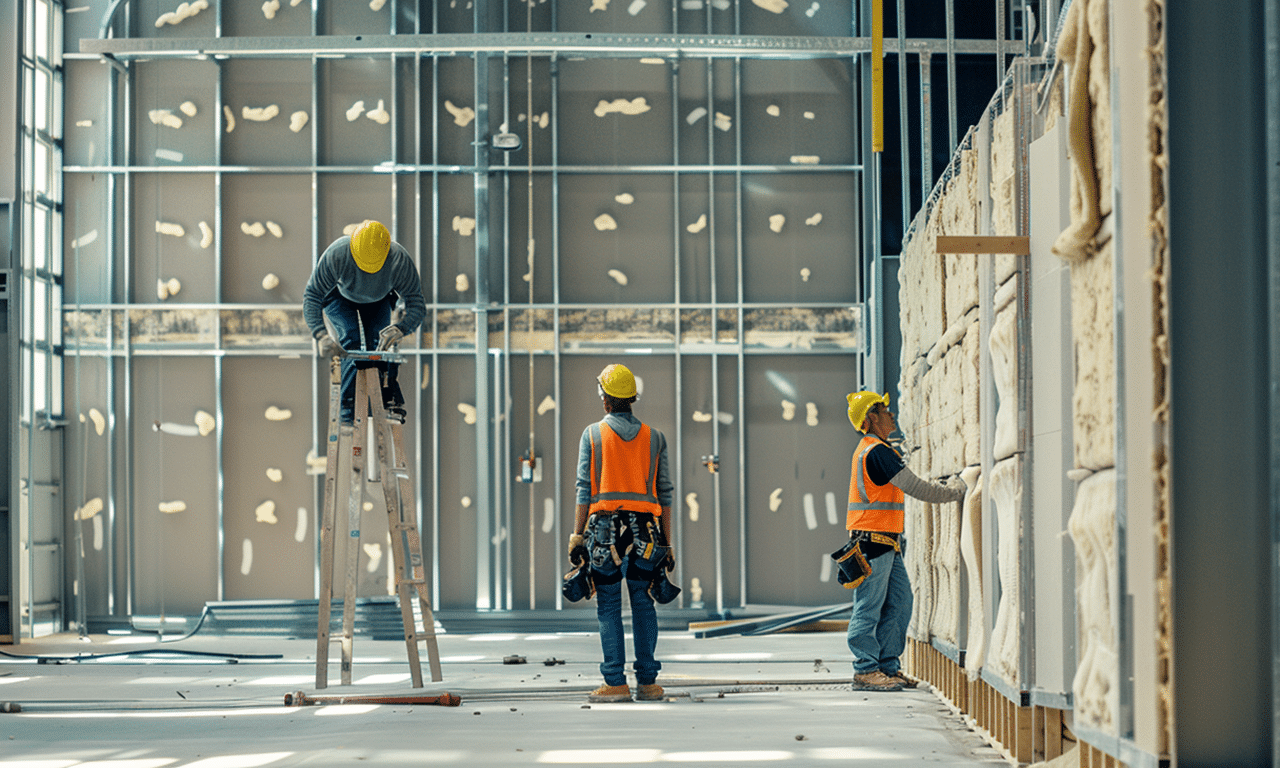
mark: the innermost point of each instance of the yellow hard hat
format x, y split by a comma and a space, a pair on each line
616, 381
369, 245
860, 403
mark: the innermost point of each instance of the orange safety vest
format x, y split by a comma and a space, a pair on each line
872, 507
624, 473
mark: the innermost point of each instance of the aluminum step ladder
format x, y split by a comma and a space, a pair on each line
345, 473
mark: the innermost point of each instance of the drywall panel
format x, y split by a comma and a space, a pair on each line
87, 462
797, 222
793, 111
535, 134
86, 240
800, 18
266, 230
612, 252
790, 458
531, 255
176, 204
85, 90
355, 18
175, 552
455, 236
709, 427
538, 513
247, 86
455, 383
614, 112
352, 128
266, 404
1051, 374
621, 16
343, 200
252, 20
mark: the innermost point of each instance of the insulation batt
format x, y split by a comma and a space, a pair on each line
1005, 491
919, 528
1004, 370
1002, 188
946, 567
1096, 688
1093, 336
971, 556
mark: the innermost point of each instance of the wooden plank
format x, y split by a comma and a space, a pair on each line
1026, 718
969, 244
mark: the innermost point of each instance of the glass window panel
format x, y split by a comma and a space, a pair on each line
42, 30
42, 100
55, 324
55, 394
40, 383
40, 237
26, 375
40, 168
27, 247
27, 288
41, 308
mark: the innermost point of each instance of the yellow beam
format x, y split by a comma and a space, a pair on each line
1010, 244
877, 75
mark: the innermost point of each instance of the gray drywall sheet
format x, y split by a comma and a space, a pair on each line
798, 460
1052, 375
175, 553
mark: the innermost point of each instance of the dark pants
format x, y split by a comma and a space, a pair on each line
347, 317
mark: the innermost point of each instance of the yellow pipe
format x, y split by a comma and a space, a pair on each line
877, 75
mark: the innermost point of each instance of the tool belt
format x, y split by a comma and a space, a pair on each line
609, 537
853, 559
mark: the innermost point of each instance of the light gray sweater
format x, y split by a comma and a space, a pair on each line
337, 269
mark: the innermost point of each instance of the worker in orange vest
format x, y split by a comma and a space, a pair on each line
622, 530
878, 482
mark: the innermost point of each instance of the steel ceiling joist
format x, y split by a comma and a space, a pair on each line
522, 43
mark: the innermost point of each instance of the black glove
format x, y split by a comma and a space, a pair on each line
577, 549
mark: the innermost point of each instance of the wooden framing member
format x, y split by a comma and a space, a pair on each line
998, 244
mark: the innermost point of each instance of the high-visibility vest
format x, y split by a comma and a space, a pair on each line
624, 473
872, 507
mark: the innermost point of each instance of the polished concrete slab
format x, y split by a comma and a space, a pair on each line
209, 701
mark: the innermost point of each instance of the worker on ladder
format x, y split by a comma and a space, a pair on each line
622, 531
358, 281
872, 562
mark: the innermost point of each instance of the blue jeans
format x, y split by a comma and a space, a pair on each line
346, 317
881, 612
644, 630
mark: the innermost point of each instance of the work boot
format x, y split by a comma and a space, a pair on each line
902, 679
396, 412
649, 692
606, 694
875, 681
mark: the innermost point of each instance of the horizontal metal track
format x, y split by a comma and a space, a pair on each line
408, 169
586, 44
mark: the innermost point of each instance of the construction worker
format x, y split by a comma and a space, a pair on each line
358, 280
882, 599
622, 530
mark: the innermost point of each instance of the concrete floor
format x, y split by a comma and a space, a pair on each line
731, 701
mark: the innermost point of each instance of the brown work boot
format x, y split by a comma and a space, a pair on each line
902, 679
649, 692
875, 681
610, 693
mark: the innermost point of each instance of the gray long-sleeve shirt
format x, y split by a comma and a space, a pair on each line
627, 426
337, 269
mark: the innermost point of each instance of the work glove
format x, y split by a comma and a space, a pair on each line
577, 549
389, 337
669, 562
327, 346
